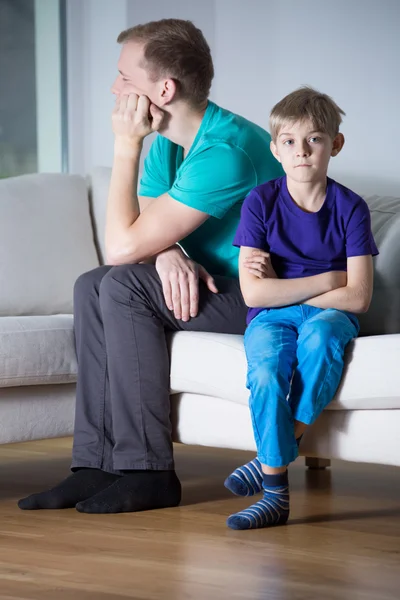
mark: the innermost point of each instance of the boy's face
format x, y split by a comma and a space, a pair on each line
305, 152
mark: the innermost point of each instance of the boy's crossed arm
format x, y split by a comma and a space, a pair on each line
354, 297
349, 291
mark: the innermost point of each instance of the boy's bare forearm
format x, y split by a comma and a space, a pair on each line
346, 298
273, 293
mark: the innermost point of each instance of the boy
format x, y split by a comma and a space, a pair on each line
305, 269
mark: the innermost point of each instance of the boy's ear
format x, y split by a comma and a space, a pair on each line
337, 144
274, 150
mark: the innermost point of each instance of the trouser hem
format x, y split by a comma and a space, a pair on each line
81, 464
123, 466
306, 418
277, 461
128, 465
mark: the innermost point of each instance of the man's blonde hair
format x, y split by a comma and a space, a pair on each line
177, 49
303, 104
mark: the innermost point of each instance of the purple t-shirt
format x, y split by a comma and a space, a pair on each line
302, 244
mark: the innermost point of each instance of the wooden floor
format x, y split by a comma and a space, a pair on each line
343, 540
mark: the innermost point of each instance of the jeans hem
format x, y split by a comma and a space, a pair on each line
306, 418
276, 461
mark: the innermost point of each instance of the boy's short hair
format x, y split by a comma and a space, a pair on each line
306, 103
177, 49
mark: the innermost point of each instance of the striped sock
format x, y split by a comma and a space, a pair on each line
272, 510
246, 480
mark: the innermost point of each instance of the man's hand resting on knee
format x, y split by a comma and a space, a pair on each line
180, 282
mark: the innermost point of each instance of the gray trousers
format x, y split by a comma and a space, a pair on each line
122, 416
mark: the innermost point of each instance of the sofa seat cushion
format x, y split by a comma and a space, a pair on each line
37, 350
215, 365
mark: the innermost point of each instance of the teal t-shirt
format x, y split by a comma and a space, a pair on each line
229, 157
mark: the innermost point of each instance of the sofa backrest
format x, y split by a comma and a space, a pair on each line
384, 313
46, 242
50, 234
98, 183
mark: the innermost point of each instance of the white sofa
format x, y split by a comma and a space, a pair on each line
48, 236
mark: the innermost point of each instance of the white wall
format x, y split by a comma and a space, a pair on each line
92, 30
92, 55
262, 50
346, 48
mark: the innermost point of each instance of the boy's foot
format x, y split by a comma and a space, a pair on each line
272, 510
246, 480
79, 486
136, 491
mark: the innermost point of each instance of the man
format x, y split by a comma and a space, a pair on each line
196, 176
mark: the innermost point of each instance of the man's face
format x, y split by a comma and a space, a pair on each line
305, 152
133, 78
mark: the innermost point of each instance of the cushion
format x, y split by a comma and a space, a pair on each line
37, 350
384, 313
215, 365
99, 183
46, 242
36, 413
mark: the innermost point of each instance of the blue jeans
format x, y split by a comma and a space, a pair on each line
295, 363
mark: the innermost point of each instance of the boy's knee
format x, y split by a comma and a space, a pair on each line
318, 335
263, 376
261, 344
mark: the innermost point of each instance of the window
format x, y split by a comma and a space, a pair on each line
32, 107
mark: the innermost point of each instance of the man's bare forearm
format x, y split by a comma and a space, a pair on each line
144, 202
123, 205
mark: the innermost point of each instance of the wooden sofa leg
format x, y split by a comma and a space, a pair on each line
317, 463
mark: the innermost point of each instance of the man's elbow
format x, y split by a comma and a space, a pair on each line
119, 255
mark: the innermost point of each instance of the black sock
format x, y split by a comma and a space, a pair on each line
79, 486
135, 491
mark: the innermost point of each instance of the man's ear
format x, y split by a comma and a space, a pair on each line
337, 144
168, 91
274, 150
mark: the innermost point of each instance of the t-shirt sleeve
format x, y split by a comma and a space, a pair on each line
153, 182
251, 230
214, 180
359, 238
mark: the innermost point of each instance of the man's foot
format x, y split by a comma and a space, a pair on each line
272, 510
79, 486
135, 491
246, 480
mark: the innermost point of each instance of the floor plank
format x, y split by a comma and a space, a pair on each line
342, 541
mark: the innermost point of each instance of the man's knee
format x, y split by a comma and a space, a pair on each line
88, 282
121, 280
